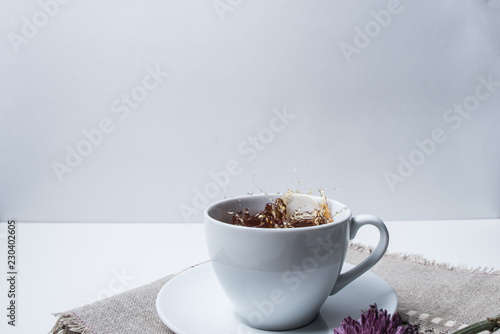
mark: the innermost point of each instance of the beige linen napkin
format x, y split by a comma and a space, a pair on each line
437, 297
131, 312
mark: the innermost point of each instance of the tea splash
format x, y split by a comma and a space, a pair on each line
289, 211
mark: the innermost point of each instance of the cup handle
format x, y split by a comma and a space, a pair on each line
355, 223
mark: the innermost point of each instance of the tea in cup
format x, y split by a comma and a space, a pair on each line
279, 258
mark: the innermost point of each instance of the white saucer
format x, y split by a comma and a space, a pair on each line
194, 303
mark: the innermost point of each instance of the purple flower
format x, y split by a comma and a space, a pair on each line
375, 321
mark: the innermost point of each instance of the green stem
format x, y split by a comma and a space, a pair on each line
490, 324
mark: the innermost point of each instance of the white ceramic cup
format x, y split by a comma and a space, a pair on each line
278, 279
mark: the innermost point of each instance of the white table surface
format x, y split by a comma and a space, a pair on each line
65, 265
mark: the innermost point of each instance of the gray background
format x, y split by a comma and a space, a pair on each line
232, 66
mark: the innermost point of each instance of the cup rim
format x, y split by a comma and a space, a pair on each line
345, 213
